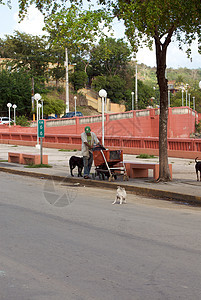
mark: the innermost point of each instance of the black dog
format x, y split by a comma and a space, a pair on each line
198, 168
76, 161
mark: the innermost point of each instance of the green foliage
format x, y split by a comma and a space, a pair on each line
144, 155
52, 104
78, 79
15, 88
160, 20
109, 57
28, 52
67, 150
38, 166
144, 95
198, 127
114, 85
22, 121
75, 29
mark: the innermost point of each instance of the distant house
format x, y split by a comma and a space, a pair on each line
172, 87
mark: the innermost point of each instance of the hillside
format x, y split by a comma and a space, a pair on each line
190, 76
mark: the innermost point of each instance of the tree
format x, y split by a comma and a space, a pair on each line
78, 79
114, 85
158, 20
56, 57
44, 6
28, 52
53, 105
15, 87
76, 30
109, 57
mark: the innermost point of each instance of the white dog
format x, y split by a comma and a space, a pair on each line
121, 195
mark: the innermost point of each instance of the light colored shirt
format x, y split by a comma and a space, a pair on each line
85, 148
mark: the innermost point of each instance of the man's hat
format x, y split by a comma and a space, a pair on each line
87, 129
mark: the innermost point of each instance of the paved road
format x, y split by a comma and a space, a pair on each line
61, 242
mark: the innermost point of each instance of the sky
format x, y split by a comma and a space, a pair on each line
33, 24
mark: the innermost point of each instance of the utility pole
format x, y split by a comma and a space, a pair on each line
136, 100
67, 83
32, 98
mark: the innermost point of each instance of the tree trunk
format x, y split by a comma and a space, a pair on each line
164, 172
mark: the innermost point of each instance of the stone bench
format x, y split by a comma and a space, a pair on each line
26, 158
139, 170
14, 157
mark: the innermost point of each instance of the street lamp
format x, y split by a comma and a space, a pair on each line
14, 107
193, 103
189, 100
186, 94
182, 92
9, 105
132, 93
75, 99
136, 100
37, 97
168, 98
42, 108
39, 107
102, 95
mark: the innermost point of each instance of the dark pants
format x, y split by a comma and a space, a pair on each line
87, 163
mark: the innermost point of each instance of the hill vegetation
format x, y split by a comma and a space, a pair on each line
31, 64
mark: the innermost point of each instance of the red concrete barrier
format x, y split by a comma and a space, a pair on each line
26, 158
139, 170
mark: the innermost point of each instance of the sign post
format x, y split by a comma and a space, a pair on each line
41, 134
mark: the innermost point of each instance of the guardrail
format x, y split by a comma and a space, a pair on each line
189, 148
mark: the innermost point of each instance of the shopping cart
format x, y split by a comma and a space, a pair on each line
109, 163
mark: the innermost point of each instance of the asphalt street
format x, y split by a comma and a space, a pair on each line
184, 186
60, 241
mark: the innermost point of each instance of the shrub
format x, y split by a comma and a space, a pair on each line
22, 121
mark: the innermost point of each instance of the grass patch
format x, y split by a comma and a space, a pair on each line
38, 166
145, 156
67, 150
14, 146
3, 160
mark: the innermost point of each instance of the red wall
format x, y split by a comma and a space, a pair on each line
144, 123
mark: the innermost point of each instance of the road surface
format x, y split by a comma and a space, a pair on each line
61, 242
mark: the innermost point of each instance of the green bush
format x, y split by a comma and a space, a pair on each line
145, 156
198, 127
22, 121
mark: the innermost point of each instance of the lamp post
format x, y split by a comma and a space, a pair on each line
132, 93
182, 92
75, 99
193, 103
186, 94
37, 97
39, 107
102, 95
42, 108
14, 107
9, 105
168, 98
136, 100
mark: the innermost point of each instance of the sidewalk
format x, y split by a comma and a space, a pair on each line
184, 187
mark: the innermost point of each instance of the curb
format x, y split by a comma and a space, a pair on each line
148, 192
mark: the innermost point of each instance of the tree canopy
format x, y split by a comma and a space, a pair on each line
26, 51
15, 87
160, 21
109, 57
